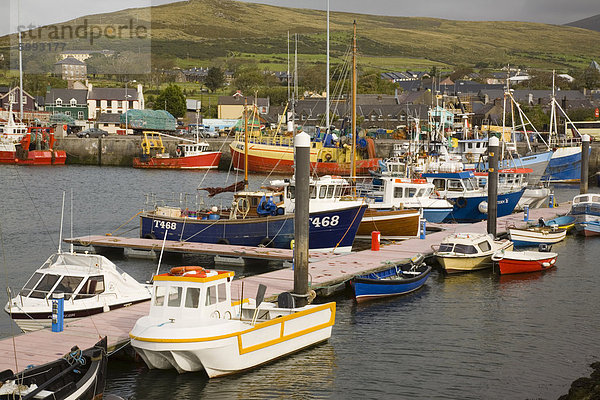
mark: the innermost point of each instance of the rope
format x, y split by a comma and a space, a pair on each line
125, 223
348, 230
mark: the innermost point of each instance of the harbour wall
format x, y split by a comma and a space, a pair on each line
120, 150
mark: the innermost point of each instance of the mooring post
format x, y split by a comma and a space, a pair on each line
493, 147
301, 217
58, 311
585, 163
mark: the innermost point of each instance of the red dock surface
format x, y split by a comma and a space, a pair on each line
325, 270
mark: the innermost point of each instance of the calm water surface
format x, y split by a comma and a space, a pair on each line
469, 336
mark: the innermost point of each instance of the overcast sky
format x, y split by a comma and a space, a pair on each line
43, 12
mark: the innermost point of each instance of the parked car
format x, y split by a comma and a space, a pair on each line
210, 134
92, 132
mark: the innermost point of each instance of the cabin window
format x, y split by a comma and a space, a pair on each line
67, 285
454, 185
174, 296
411, 192
471, 183
30, 284
420, 192
465, 249
398, 192
291, 192
338, 191
93, 286
484, 246
211, 295
312, 191
440, 184
322, 192
159, 295
192, 297
330, 190
222, 292
596, 199
45, 285
427, 192
446, 247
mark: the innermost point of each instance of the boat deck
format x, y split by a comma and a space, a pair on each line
326, 271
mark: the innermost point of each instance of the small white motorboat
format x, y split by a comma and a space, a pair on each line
194, 325
463, 252
91, 284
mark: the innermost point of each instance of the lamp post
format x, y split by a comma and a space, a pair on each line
127, 105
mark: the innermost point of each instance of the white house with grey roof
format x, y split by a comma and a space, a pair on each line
114, 100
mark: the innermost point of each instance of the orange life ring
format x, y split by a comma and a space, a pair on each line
196, 270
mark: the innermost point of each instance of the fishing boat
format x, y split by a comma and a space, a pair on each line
397, 280
331, 229
206, 330
189, 154
79, 375
585, 209
536, 235
464, 252
468, 199
27, 145
329, 191
515, 262
91, 284
388, 193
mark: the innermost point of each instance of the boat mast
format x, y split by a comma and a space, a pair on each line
62, 214
20, 62
354, 105
245, 143
553, 125
327, 76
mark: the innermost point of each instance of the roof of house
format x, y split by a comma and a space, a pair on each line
69, 61
379, 99
66, 95
112, 94
240, 100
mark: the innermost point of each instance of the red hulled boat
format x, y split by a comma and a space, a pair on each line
515, 262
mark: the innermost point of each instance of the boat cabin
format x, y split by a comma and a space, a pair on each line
323, 192
391, 190
467, 244
192, 293
454, 184
259, 203
508, 179
191, 149
67, 274
586, 204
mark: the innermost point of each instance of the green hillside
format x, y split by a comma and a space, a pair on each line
203, 32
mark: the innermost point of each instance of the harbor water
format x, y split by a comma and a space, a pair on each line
468, 336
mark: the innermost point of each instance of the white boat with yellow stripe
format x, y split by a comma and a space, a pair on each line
193, 325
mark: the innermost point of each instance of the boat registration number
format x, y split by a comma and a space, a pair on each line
170, 226
318, 222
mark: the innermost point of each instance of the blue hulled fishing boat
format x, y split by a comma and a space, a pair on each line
469, 201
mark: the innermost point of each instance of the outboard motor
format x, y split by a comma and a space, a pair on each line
543, 247
541, 222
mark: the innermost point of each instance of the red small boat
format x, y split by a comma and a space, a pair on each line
188, 155
515, 262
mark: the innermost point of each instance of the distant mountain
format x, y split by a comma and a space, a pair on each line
591, 23
213, 32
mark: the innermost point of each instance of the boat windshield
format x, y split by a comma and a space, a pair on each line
92, 287
44, 286
465, 249
30, 284
471, 183
446, 247
454, 185
67, 285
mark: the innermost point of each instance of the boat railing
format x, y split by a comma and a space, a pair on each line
275, 140
565, 142
183, 201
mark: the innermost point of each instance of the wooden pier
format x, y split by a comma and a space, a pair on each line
326, 271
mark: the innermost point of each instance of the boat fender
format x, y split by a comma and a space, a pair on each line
292, 244
223, 241
461, 202
150, 236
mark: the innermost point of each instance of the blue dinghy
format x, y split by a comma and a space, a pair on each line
399, 279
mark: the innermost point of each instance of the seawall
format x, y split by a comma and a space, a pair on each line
120, 150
